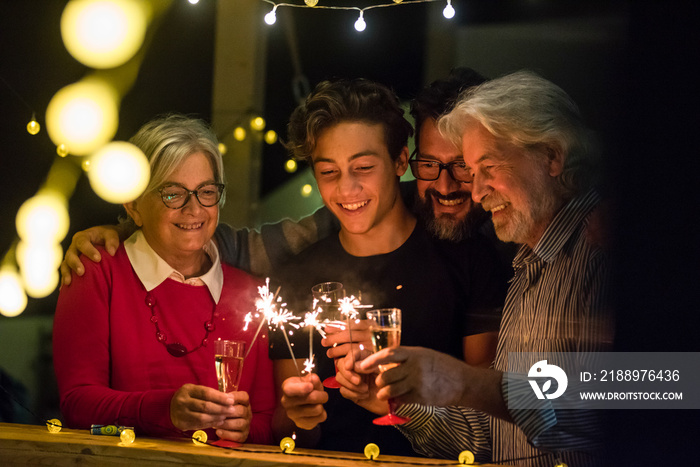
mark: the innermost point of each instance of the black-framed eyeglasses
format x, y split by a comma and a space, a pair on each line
176, 196
429, 170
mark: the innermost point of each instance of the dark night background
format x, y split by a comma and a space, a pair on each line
653, 176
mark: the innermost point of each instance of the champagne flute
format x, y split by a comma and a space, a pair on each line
385, 330
327, 294
228, 356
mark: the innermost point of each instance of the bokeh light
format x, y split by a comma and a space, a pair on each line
39, 282
271, 137
257, 123
306, 190
13, 299
43, 218
38, 255
119, 172
104, 33
223, 149
83, 116
33, 126
290, 166
239, 133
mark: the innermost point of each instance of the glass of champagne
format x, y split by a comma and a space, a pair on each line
327, 294
385, 330
228, 356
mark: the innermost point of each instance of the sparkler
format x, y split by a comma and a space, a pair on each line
311, 322
274, 312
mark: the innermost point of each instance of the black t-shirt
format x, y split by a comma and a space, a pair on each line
423, 279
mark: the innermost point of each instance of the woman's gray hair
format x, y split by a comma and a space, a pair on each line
168, 140
530, 112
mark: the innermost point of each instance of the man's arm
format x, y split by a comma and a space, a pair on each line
84, 242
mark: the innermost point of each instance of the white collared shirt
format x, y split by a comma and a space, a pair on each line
152, 270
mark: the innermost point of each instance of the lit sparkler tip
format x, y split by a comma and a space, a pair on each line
309, 365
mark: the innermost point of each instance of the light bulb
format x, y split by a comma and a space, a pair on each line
13, 299
306, 190
104, 33
466, 457
199, 437
290, 166
127, 436
371, 451
311, 2
398, 1
38, 254
85, 165
360, 24
83, 116
287, 444
239, 133
270, 137
193, 2
119, 172
448, 12
62, 150
222, 148
39, 282
54, 425
257, 123
271, 17
43, 218
33, 126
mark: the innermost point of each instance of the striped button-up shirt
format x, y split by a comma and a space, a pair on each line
557, 302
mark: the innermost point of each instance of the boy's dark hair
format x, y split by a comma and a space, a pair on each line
337, 101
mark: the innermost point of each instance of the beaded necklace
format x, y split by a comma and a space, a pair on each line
176, 349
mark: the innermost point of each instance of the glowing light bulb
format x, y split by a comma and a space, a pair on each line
85, 165
290, 166
62, 150
306, 190
271, 17
13, 300
127, 436
360, 24
120, 172
54, 425
239, 133
257, 123
448, 12
104, 33
43, 218
311, 2
222, 148
199, 437
38, 255
287, 444
271, 137
398, 1
39, 282
83, 116
193, 2
371, 451
33, 126
466, 457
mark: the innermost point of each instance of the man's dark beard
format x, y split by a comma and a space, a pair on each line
446, 227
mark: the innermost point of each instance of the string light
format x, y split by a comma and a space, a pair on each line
257, 123
120, 172
13, 299
62, 150
448, 12
127, 437
287, 445
271, 137
466, 457
360, 24
290, 166
371, 451
306, 190
200, 437
239, 133
33, 126
223, 149
271, 17
54, 425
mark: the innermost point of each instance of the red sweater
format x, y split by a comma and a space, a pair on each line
110, 367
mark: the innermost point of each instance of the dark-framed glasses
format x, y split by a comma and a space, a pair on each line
176, 196
429, 170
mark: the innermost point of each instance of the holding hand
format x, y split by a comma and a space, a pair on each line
303, 399
196, 407
358, 385
237, 426
84, 242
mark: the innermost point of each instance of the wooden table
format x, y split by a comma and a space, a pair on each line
27, 445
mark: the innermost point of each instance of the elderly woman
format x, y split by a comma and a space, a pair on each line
134, 337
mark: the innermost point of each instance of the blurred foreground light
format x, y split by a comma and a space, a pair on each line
449, 11
271, 137
39, 282
239, 133
104, 33
290, 166
39, 255
33, 126
43, 218
83, 116
13, 299
119, 172
127, 436
257, 123
306, 190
